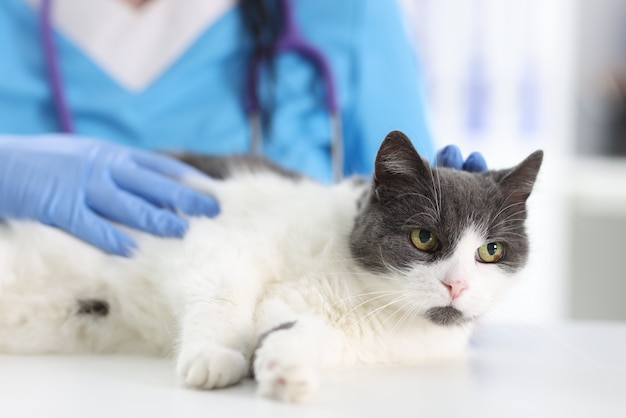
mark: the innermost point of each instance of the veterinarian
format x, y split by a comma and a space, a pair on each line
90, 88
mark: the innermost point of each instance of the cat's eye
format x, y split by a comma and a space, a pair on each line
423, 240
490, 253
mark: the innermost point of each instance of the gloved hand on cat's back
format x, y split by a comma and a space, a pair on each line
451, 157
80, 185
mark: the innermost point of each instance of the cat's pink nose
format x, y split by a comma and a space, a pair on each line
455, 287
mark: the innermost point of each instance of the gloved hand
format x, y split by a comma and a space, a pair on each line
78, 184
450, 156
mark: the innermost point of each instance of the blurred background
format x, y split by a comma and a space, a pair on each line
507, 77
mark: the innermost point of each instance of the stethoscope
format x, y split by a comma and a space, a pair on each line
290, 40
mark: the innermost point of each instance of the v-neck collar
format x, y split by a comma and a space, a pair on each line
135, 45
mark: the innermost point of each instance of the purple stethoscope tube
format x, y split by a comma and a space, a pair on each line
289, 41
53, 72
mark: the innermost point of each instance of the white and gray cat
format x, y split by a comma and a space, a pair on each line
291, 278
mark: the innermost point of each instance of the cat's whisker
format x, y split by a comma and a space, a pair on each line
515, 216
432, 217
378, 309
510, 222
413, 313
388, 266
432, 203
371, 280
367, 301
436, 191
361, 295
510, 225
413, 307
440, 194
407, 302
414, 194
511, 234
504, 209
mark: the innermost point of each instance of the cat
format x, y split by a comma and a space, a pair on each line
292, 277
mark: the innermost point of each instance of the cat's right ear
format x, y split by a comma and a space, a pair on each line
519, 181
397, 162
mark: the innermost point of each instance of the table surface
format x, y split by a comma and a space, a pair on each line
566, 370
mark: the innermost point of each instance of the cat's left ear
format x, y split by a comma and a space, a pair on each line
519, 181
398, 162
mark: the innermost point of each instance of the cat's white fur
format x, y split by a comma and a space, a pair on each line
277, 254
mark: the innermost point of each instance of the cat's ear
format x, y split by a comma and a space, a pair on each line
397, 161
519, 181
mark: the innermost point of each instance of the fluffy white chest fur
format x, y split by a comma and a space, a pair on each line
281, 283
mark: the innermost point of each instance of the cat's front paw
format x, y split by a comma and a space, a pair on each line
210, 366
285, 376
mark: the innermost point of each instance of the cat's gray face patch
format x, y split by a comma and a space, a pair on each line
445, 203
408, 195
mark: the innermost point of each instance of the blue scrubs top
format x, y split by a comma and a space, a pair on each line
197, 103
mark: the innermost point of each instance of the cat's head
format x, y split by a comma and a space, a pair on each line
444, 243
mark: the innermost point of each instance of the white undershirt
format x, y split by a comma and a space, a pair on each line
135, 45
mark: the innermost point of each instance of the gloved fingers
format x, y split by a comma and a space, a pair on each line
164, 164
96, 231
475, 163
127, 209
165, 192
449, 156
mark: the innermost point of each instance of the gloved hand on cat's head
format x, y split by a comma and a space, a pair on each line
451, 157
80, 184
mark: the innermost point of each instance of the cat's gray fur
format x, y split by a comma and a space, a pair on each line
409, 195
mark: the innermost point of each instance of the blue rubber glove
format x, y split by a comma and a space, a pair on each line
79, 184
450, 156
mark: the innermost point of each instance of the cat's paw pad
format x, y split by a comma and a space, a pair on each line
210, 366
284, 380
